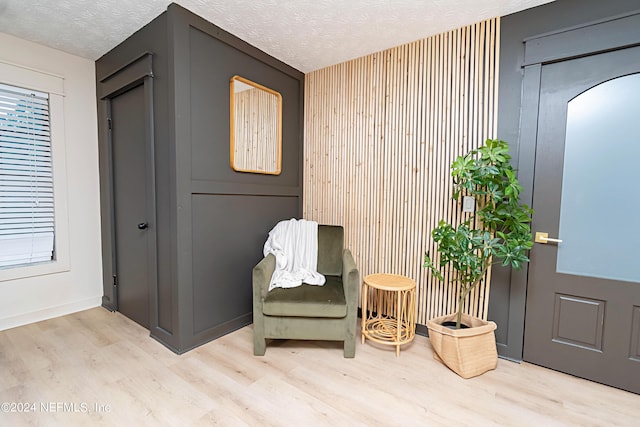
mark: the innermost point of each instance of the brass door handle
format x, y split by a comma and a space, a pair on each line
544, 238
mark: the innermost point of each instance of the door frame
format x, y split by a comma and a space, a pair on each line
606, 35
136, 72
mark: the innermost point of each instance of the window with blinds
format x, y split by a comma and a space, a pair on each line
26, 179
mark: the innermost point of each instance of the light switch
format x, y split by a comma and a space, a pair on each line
468, 204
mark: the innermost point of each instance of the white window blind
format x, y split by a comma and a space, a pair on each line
26, 179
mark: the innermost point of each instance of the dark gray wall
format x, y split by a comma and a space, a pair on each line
151, 38
508, 289
224, 216
225, 251
212, 221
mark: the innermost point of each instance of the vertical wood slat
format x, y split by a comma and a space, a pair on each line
381, 132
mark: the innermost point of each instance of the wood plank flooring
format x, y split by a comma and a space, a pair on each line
99, 368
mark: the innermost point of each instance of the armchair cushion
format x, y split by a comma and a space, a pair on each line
307, 300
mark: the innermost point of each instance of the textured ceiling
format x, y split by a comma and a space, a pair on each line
306, 34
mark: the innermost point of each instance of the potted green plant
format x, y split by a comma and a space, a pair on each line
497, 232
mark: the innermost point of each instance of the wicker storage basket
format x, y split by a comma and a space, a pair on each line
468, 352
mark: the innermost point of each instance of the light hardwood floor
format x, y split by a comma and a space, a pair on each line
95, 357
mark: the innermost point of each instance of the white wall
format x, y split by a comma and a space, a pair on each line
79, 286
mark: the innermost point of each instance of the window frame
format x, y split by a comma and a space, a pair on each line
28, 78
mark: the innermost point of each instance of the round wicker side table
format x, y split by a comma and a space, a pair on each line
388, 309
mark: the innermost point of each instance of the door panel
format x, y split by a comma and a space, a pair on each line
130, 204
583, 292
578, 321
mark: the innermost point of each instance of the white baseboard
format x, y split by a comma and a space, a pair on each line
49, 313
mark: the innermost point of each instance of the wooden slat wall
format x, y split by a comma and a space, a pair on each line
380, 134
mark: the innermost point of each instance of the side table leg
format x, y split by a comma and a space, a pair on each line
399, 320
364, 311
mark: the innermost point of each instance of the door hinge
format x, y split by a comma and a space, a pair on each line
109, 124
115, 280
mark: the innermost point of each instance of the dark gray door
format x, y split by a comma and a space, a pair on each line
130, 204
583, 297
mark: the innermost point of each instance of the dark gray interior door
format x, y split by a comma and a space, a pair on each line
583, 297
129, 152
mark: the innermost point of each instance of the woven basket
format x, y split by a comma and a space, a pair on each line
468, 352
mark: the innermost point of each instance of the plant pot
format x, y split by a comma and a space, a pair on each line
468, 352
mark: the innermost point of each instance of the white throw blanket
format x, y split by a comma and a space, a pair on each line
295, 246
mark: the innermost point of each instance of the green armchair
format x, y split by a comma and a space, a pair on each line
309, 312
